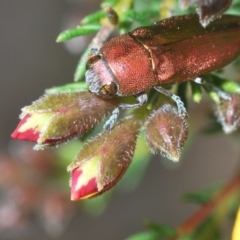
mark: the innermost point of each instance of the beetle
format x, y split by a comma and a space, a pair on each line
171, 51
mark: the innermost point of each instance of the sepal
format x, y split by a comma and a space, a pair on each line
56, 118
103, 160
166, 132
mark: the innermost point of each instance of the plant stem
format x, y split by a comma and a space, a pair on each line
223, 197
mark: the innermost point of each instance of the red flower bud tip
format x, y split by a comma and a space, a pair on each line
166, 132
102, 162
83, 181
30, 127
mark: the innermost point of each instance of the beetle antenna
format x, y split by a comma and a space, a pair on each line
180, 105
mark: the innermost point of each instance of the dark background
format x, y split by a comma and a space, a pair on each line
31, 61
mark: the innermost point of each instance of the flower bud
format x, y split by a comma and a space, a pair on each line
102, 161
208, 10
56, 118
166, 132
228, 113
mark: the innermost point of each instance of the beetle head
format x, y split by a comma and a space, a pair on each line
100, 78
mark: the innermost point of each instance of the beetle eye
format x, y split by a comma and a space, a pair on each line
108, 90
93, 60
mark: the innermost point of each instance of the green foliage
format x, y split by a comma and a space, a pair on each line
161, 230
94, 17
156, 231
196, 92
143, 236
209, 229
222, 83
110, 2
142, 17
81, 66
68, 87
203, 196
235, 8
182, 92
78, 31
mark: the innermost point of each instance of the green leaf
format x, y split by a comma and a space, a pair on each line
78, 31
109, 2
154, 5
196, 92
94, 17
222, 83
196, 197
156, 232
68, 87
143, 236
143, 17
81, 66
186, 238
124, 26
229, 86
213, 95
182, 92
209, 229
234, 9
203, 196
162, 231
226, 84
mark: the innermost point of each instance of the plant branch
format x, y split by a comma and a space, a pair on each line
224, 197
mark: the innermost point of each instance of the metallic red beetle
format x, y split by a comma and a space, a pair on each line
172, 51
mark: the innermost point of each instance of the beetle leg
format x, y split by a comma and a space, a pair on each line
95, 51
180, 105
220, 93
141, 98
